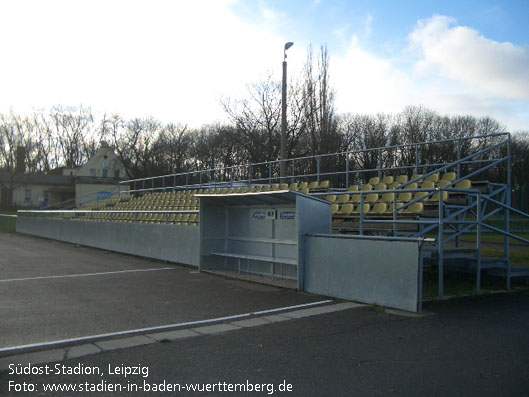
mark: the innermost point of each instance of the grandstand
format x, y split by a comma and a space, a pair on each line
400, 196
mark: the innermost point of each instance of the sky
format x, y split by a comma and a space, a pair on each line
175, 60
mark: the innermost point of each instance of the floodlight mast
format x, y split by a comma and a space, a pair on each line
283, 154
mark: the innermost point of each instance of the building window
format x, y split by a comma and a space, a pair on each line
27, 195
92, 172
116, 173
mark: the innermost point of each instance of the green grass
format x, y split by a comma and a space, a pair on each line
516, 224
519, 257
7, 223
494, 238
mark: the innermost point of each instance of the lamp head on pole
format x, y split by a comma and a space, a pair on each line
287, 46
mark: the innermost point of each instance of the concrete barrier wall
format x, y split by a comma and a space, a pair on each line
383, 272
172, 243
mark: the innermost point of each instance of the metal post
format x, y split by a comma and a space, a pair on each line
269, 172
508, 213
458, 158
249, 175
440, 245
416, 159
380, 165
163, 183
361, 226
394, 214
292, 180
318, 168
478, 243
200, 178
346, 171
282, 165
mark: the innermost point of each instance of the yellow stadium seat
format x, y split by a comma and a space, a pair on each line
411, 186
293, 186
374, 181
371, 198
402, 179
464, 184
313, 185
415, 208
433, 177
358, 208
449, 176
303, 185
428, 185
355, 198
380, 186
331, 198
419, 195
366, 187
283, 186
443, 183
388, 180
346, 209
394, 185
435, 197
352, 188
404, 197
274, 187
379, 209
324, 184
388, 197
415, 176
343, 198
335, 207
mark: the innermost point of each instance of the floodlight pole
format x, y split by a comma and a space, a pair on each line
283, 154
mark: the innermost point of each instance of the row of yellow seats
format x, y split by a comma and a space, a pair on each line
371, 198
465, 184
378, 209
401, 179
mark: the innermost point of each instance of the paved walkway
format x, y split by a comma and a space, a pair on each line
51, 291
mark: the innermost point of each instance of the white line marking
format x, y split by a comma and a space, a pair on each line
86, 274
160, 327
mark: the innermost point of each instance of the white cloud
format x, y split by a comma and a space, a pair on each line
462, 54
169, 59
174, 59
456, 71
366, 83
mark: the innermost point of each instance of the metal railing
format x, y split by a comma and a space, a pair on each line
93, 214
310, 167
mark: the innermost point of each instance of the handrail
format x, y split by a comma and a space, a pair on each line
347, 153
108, 211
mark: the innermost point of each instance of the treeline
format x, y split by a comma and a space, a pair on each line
68, 137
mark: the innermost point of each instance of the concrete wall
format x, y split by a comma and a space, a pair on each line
387, 273
172, 243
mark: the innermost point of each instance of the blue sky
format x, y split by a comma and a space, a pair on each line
174, 60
